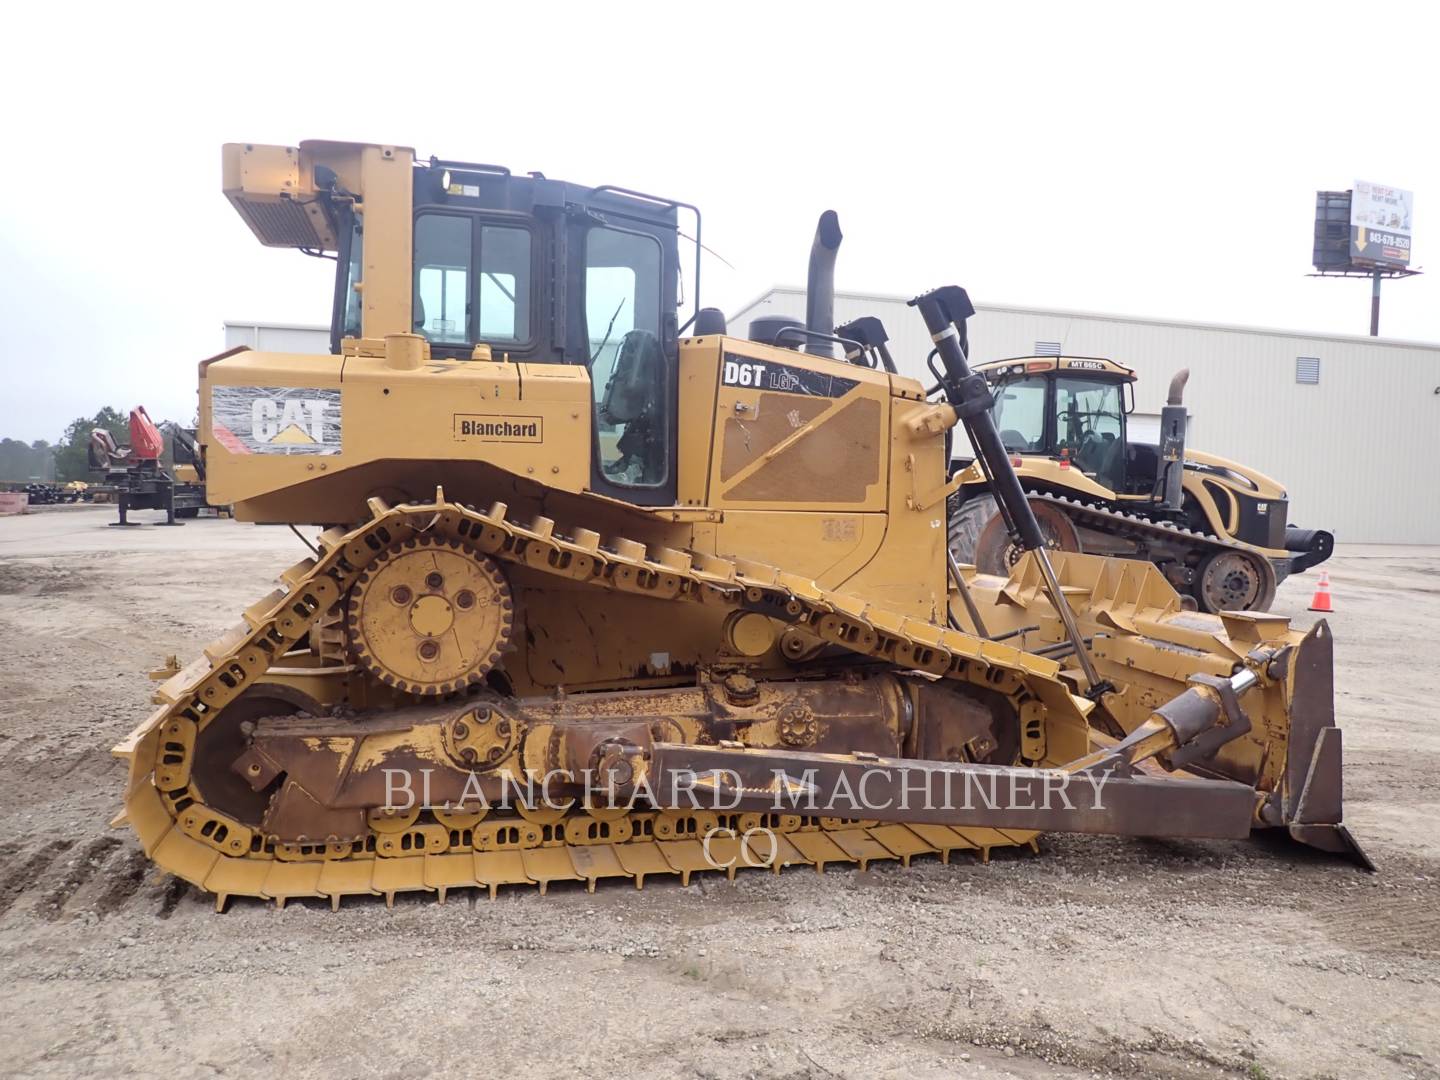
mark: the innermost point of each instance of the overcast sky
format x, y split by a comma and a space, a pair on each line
1151, 159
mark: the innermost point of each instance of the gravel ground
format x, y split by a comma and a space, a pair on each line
1098, 957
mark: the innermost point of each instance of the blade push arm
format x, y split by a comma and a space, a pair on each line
945, 311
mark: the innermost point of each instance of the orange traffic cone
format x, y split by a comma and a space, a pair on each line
1321, 600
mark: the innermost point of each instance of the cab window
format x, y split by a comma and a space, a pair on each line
472, 281
1020, 414
504, 284
442, 278
1089, 422
628, 374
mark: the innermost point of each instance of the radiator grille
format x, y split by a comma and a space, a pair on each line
278, 223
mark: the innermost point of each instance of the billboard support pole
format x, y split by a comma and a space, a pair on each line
1375, 302
1364, 232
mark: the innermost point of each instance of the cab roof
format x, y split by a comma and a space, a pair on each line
1029, 365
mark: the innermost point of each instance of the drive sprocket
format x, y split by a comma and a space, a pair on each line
431, 616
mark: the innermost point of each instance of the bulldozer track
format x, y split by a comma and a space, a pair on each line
97, 877
204, 847
124, 880
78, 869
22, 875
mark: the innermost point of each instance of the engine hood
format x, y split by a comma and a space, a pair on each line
1241, 476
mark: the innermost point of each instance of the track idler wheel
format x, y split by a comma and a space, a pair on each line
227, 736
430, 617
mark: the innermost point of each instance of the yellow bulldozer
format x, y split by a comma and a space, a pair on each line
602, 591
1216, 529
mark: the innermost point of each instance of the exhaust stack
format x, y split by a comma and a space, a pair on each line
1173, 421
820, 283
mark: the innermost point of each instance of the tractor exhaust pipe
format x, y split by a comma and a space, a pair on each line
820, 283
1173, 421
1177, 386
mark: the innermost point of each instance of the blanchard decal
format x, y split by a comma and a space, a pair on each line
788, 379
275, 419
523, 429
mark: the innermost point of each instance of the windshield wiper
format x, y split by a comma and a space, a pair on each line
606, 339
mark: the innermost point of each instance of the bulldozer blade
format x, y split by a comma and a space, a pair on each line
1312, 797
1335, 839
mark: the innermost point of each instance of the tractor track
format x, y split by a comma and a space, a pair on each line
1140, 530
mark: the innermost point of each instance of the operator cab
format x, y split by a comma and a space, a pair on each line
1071, 409
533, 270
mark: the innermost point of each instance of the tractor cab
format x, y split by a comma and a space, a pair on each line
1071, 411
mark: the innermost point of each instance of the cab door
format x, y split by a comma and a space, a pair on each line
631, 351
1089, 417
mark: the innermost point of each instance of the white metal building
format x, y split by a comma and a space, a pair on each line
1353, 446
1347, 424
278, 337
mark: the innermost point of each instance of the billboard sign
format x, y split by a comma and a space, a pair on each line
1380, 222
